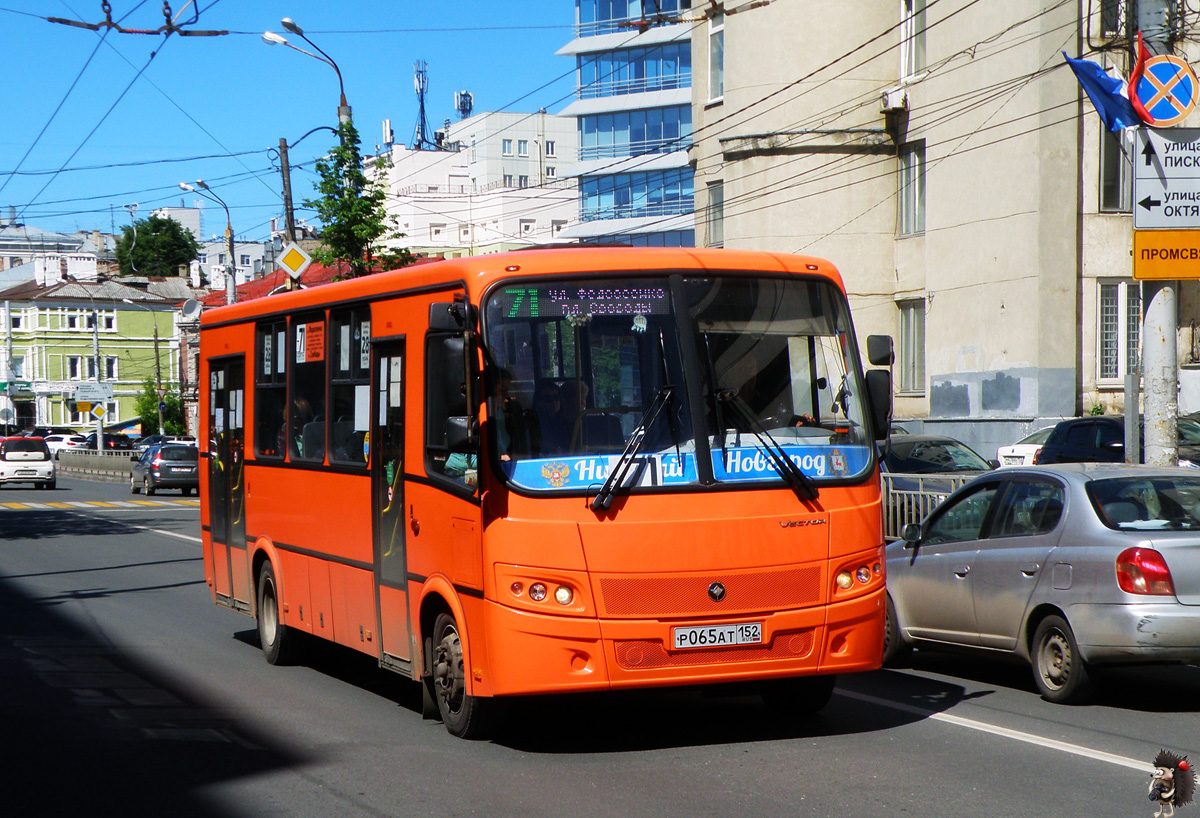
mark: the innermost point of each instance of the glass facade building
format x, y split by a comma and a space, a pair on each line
634, 114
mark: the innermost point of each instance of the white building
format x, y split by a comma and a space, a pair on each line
497, 186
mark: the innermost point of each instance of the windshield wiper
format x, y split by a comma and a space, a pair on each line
801, 483
637, 439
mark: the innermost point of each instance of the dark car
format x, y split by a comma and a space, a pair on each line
113, 442
919, 472
1101, 439
168, 466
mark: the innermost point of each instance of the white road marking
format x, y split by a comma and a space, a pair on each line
1006, 732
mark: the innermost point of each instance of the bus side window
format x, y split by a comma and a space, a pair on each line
270, 390
306, 415
446, 410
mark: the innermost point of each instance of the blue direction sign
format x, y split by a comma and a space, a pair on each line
1167, 90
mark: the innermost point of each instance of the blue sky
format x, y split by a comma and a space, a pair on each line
212, 107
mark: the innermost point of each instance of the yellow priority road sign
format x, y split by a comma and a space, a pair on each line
98, 411
294, 260
1166, 254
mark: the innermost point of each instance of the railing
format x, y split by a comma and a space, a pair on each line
908, 498
613, 88
111, 466
675, 208
639, 148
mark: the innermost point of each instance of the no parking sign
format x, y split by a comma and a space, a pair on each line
1167, 90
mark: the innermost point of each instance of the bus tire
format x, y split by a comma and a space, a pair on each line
275, 637
463, 715
798, 696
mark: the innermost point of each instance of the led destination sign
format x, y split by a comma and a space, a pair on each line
555, 301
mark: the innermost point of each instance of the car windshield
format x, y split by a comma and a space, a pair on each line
924, 456
1148, 503
588, 359
1037, 438
182, 453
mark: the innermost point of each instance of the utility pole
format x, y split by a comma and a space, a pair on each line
285, 170
99, 374
158, 377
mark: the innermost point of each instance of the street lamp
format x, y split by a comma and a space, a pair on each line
271, 38
157, 364
230, 268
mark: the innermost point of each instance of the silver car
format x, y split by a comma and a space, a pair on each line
1068, 566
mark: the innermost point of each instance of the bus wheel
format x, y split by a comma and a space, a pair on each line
275, 637
798, 696
464, 715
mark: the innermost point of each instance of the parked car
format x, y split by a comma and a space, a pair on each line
1025, 450
919, 472
58, 443
27, 460
113, 441
167, 466
1068, 567
143, 443
46, 431
1101, 439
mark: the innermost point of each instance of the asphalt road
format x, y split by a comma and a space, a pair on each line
124, 690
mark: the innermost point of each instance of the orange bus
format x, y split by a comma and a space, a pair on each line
554, 470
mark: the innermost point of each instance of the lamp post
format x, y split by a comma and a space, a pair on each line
271, 38
230, 268
157, 362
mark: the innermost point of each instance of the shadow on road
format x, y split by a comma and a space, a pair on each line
88, 729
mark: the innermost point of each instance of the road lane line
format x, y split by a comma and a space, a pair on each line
175, 534
1006, 732
14, 505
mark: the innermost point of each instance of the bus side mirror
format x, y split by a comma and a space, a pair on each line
452, 316
879, 399
880, 350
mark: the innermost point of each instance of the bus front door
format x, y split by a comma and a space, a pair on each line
387, 492
226, 480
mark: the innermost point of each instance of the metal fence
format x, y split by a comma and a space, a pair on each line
908, 498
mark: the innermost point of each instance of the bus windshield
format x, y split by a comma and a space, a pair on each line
744, 368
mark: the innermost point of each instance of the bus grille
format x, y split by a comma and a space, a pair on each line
644, 654
688, 596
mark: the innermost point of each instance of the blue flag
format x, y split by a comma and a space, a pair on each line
1106, 93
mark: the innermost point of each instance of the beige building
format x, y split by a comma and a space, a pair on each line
942, 155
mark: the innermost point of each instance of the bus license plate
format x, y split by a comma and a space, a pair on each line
717, 636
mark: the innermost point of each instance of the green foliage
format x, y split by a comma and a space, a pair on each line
1097, 409
146, 405
159, 247
353, 210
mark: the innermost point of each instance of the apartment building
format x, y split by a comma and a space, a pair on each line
943, 156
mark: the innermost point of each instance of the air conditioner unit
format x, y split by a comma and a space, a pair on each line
894, 100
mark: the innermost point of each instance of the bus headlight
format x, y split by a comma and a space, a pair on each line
863, 575
563, 595
844, 580
537, 592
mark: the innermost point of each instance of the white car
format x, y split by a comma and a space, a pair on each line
58, 443
26, 460
1024, 450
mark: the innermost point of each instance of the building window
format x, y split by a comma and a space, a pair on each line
110, 367
203, 259
635, 70
464, 231
522, 147
522, 181
632, 133
557, 226
508, 180
527, 227
1116, 175
506, 147
716, 57
16, 319
18, 366
716, 214
1112, 18
474, 156
245, 261
220, 258
1119, 326
550, 148
108, 321
435, 230
912, 37
632, 195
551, 173
912, 346
912, 189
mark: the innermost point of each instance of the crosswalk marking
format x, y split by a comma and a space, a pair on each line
95, 504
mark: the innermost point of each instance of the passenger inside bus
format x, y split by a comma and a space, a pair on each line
464, 465
552, 436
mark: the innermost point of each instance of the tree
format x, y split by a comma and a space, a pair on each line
353, 209
155, 247
146, 405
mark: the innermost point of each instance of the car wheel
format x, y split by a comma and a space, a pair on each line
187, 491
1059, 671
134, 488
798, 696
463, 715
148, 486
895, 650
50, 485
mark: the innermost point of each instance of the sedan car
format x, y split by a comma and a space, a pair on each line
113, 441
169, 466
1068, 567
1025, 451
1101, 439
27, 460
919, 471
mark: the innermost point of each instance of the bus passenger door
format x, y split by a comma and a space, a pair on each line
226, 480
387, 493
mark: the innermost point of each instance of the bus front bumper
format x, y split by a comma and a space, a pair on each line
530, 653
